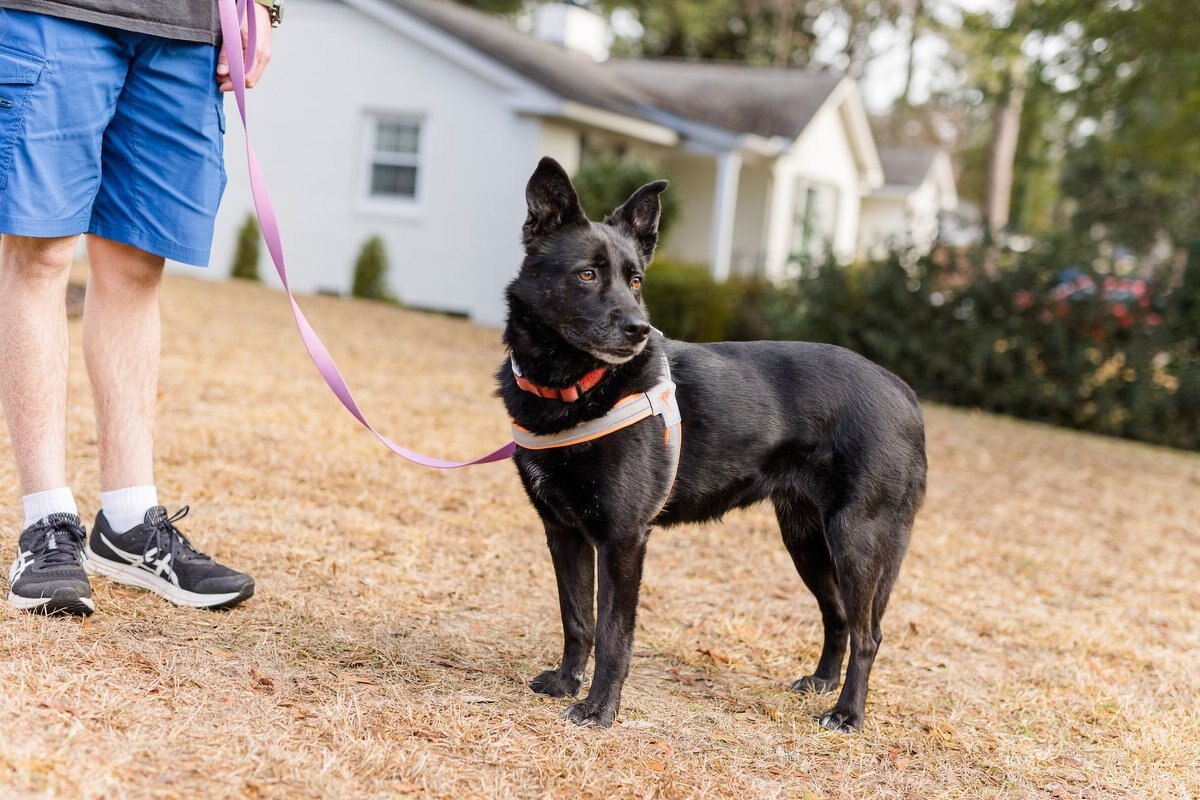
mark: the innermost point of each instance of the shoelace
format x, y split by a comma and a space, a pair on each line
60, 541
169, 540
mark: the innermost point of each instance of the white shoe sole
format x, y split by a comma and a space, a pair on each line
130, 575
68, 605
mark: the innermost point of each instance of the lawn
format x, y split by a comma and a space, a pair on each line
1043, 639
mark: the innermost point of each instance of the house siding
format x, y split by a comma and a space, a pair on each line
694, 179
822, 155
456, 248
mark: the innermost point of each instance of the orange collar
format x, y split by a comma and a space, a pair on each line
567, 395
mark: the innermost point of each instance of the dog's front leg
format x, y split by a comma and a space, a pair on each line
574, 569
620, 574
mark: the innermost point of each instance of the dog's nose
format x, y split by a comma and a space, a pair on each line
636, 329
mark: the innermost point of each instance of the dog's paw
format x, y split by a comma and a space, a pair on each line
589, 715
814, 685
840, 721
554, 684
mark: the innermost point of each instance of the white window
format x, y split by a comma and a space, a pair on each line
393, 173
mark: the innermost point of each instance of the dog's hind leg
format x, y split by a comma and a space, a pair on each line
574, 569
867, 554
619, 568
804, 535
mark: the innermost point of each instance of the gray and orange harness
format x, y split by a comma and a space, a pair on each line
659, 401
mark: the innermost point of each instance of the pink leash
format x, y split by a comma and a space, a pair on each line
231, 15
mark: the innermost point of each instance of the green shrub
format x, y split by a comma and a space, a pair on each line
370, 272
686, 303
605, 181
245, 254
1048, 338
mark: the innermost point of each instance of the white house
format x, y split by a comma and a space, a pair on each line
907, 211
421, 120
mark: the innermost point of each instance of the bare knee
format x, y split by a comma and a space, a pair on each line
123, 268
36, 260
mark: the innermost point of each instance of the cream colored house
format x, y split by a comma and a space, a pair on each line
906, 212
421, 120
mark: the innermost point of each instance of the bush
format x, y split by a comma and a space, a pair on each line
370, 272
686, 303
1043, 339
606, 181
245, 254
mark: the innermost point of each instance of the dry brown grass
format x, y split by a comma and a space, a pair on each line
1042, 641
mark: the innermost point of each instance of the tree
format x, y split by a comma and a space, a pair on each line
495, 6
1106, 117
1136, 64
606, 180
245, 254
765, 32
370, 272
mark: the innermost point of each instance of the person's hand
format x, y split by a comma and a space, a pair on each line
262, 53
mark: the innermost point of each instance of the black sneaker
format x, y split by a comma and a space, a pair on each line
48, 576
156, 556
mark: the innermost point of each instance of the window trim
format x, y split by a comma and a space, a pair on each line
377, 205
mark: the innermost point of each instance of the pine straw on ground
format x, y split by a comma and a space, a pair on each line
1043, 639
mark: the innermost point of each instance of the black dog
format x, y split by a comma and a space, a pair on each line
836, 443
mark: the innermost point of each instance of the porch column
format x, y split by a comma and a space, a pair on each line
725, 195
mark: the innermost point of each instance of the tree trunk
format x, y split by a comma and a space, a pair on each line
915, 23
1002, 150
785, 32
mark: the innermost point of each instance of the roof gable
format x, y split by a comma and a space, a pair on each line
738, 99
572, 76
907, 165
765, 101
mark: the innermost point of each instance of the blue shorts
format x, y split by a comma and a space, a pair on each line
109, 132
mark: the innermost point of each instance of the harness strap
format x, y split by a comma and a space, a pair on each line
631, 410
659, 401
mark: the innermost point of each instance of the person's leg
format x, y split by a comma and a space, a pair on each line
62, 80
34, 351
162, 181
122, 334
160, 185
47, 575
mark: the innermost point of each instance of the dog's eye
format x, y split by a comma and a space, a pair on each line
636, 282
588, 275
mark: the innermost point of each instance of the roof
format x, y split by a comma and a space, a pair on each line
767, 101
739, 99
907, 165
572, 75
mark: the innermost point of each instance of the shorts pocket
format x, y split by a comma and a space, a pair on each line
19, 74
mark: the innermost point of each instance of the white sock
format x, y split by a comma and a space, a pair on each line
55, 501
126, 508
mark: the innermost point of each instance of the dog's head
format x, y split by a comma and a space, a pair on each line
584, 279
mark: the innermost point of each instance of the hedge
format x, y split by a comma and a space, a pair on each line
1048, 337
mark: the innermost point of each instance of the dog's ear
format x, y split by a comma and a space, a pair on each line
639, 217
553, 203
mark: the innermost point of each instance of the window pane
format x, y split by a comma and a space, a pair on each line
397, 137
388, 180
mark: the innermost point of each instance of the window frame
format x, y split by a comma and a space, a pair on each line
392, 205
806, 200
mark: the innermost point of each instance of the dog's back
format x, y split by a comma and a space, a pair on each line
769, 418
